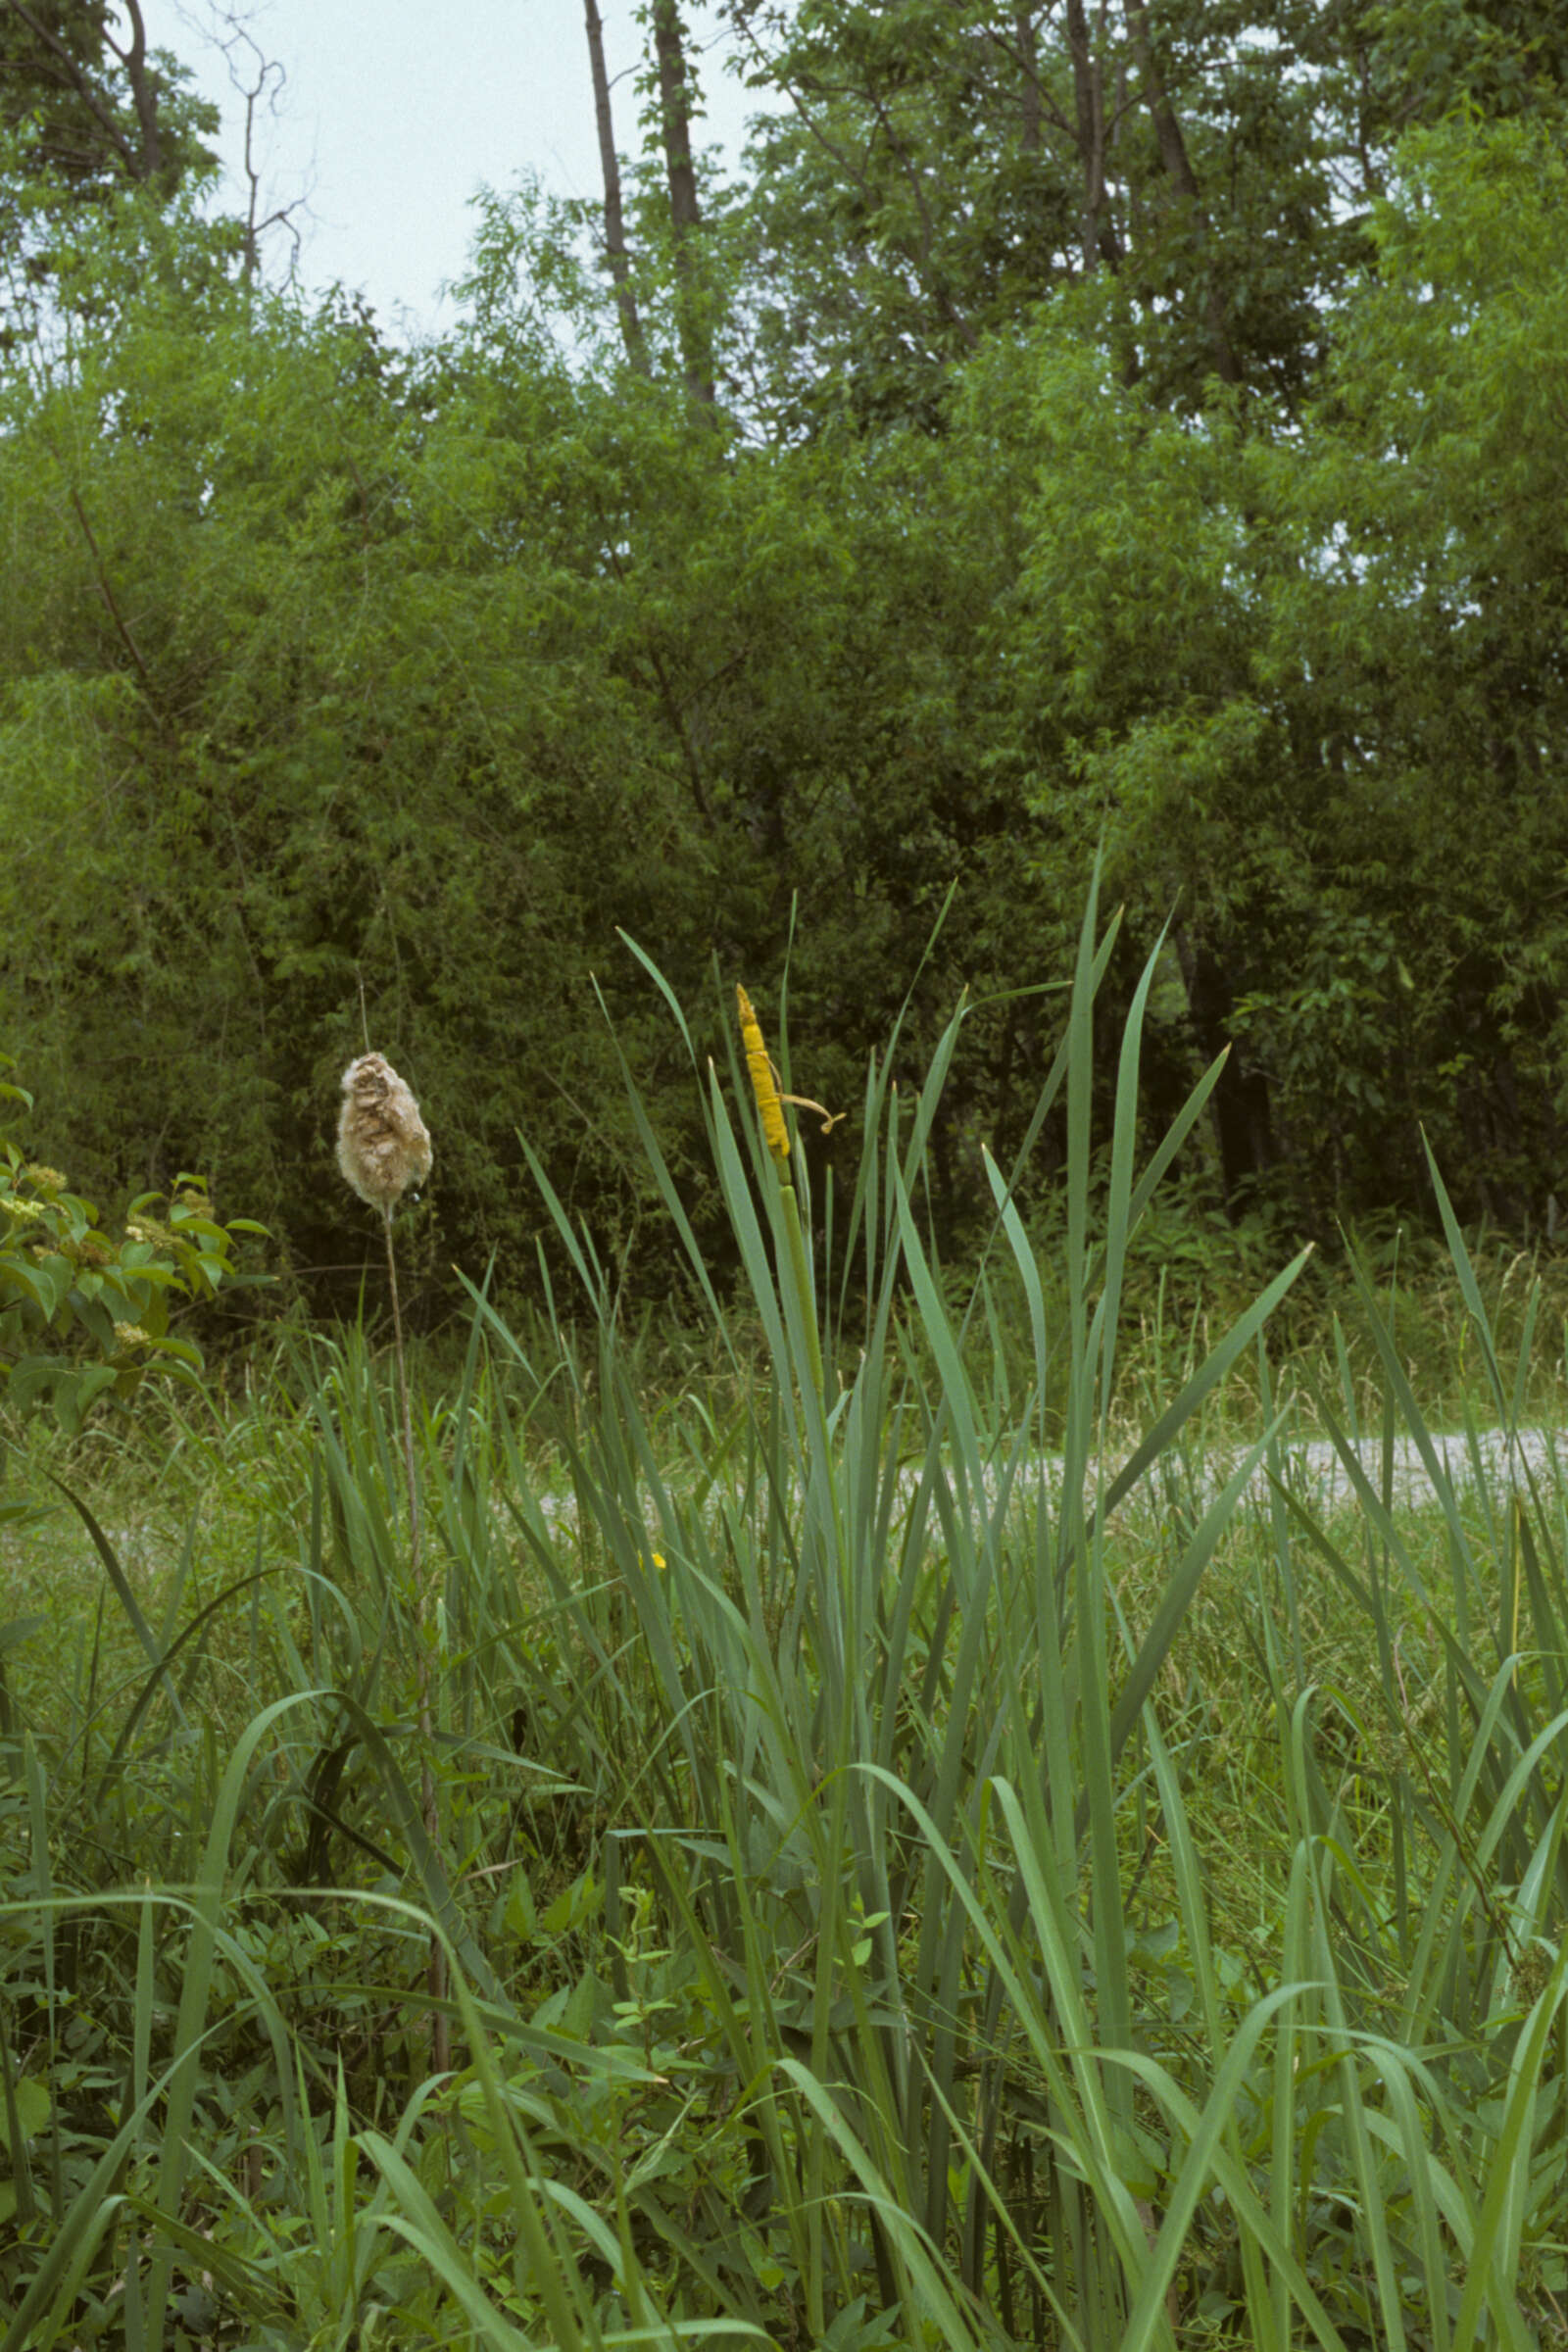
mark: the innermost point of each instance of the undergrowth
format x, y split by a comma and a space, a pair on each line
988, 1844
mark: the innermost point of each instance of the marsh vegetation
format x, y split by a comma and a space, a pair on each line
922, 1856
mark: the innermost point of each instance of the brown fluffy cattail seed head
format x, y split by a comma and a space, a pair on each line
382, 1143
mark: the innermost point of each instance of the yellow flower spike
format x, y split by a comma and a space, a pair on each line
770, 1104
765, 1085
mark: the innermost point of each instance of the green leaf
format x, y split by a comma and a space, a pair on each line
33, 2108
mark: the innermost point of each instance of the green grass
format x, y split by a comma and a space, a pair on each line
894, 1896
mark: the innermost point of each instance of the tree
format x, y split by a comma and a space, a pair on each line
1211, 163
676, 96
92, 112
615, 255
437, 675
1312, 687
85, 117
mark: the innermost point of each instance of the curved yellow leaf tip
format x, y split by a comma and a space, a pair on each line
765, 1085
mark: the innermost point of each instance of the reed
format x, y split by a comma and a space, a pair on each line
942, 1844
383, 1149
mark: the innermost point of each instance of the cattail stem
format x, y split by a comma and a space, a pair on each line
407, 1420
435, 1974
804, 1290
383, 1145
770, 1099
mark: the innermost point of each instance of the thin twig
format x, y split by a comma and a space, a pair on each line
107, 594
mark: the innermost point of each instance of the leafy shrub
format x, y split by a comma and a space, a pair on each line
102, 1305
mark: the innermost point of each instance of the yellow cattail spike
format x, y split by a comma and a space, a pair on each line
765, 1085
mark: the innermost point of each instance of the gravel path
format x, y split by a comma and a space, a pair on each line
1313, 1471
1316, 1472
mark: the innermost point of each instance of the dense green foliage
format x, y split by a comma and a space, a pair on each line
88, 112
902, 1888
908, 1828
1136, 425
84, 1310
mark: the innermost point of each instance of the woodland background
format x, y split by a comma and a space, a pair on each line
1130, 424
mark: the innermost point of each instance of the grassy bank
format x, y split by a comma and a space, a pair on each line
884, 1887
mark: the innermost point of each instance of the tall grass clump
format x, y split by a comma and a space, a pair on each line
885, 1733
878, 1905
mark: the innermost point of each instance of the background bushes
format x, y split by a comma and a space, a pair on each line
343, 684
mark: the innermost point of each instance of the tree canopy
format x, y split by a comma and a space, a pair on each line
1138, 426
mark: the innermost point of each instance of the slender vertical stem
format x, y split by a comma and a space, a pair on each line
437, 1968
803, 1285
407, 1420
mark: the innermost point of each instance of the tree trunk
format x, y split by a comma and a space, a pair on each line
1029, 121
1240, 1104
1179, 171
1089, 124
144, 94
140, 160
685, 213
631, 325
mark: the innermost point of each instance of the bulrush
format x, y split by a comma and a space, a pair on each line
770, 1102
765, 1085
382, 1144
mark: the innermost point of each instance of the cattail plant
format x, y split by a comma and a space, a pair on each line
770, 1102
383, 1147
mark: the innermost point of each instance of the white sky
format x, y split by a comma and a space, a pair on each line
394, 110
